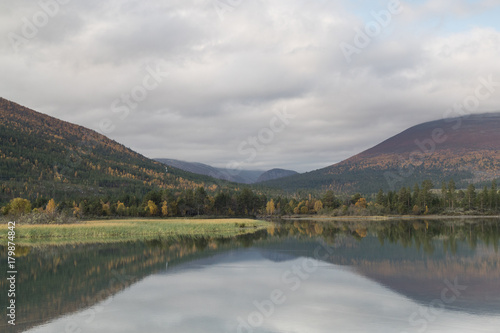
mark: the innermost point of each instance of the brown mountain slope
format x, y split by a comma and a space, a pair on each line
466, 149
41, 156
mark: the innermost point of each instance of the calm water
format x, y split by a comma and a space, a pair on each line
402, 276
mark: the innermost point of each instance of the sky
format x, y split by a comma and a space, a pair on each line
251, 84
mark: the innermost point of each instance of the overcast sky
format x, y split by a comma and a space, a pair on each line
205, 80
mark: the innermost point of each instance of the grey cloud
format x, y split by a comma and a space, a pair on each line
226, 77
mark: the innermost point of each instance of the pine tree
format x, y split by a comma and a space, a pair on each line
451, 193
444, 194
494, 196
471, 195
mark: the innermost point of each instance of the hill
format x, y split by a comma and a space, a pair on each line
41, 156
466, 149
233, 175
275, 174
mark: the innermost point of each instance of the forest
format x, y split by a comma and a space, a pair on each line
422, 199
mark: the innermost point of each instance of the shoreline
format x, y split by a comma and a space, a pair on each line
132, 229
389, 217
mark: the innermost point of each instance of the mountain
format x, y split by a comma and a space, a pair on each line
233, 175
41, 156
275, 174
466, 149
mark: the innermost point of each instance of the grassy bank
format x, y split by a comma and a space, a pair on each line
120, 230
387, 217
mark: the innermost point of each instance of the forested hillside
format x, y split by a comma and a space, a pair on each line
42, 157
466, 149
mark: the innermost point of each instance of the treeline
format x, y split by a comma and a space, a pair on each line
156, 203
425, 199
422, 199
169, 203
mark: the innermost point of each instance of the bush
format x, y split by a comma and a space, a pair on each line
43, 218
17, 207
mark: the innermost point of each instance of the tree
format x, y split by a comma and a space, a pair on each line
471, 195
18, 206
77, 211
451, 193
416, 195
425, 193
270, 207
105, 208
355, 198
222, 202
164, 208
361, 203
151, 208
51, 207
494, 196
329, 200
444, 193
484, 197
246, 201
199, 199
318, 205
120, 208
381, 199
404, 198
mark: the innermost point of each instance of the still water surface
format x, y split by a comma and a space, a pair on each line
303, 276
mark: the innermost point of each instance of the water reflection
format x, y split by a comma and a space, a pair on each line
365, 276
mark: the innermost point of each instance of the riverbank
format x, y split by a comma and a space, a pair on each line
136, 229
388, 217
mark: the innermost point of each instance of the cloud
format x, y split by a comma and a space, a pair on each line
228, 72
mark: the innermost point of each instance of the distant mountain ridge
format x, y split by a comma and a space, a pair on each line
275, 174
41, 156
466, 149
233, 175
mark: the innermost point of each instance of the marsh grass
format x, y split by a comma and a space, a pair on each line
120, 230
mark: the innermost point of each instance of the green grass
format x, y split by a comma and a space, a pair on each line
121, 230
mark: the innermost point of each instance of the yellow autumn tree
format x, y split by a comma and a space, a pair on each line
270, 207
361, 203
151, 208
120, 208
51, 207
318, 205
164, 208
105, 208
77, 212
17, 206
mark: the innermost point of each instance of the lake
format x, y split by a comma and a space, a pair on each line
296, 276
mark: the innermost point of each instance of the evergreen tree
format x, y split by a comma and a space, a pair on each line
484, 198
451, 193
471, 196
444, 194
381, 198
494, 196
